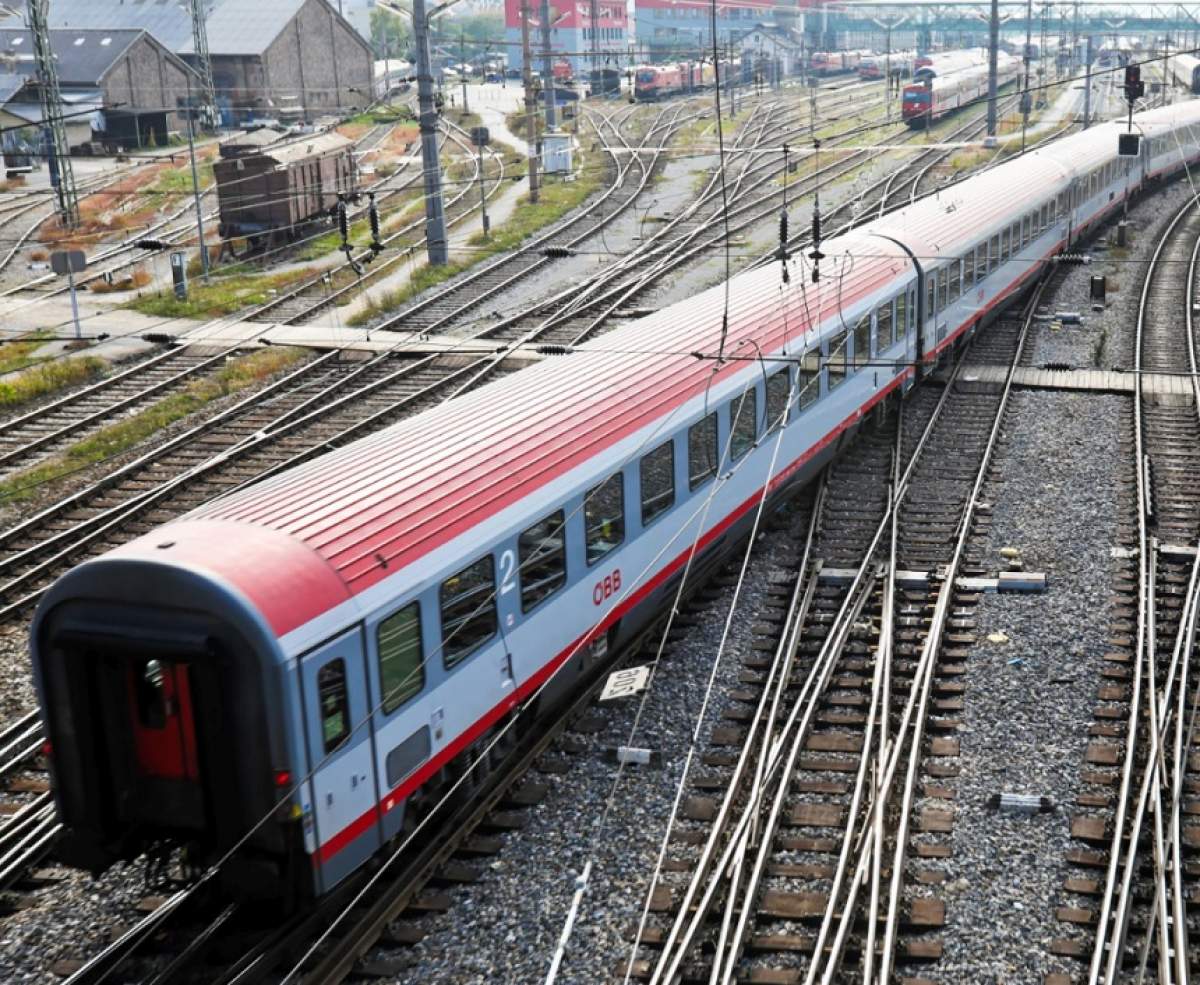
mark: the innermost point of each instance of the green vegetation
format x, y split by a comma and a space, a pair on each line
178, 181
238, 374
18, 354
391, 114
222, 295
555, 200
49, 377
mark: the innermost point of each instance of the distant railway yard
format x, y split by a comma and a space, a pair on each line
764, 547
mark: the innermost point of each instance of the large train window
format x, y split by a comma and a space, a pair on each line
1045, 214
931, 294
334, 704
779, 388
468, 610
702, 451
604, 517
954, 290
883, 326
968, 270
743, 423
809, 383
1015, 237
902, 315
1004, 246
1026, 231
657, 473
862, 341
542, 555
994, 256
943, 289
836, 362
401, 667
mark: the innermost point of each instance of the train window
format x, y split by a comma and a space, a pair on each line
542, 557
954, 291
931, 294
862, 341
468, 610
968, 277
902, 316
334, 704
401, 668
702, 451
657, 470
150, 694
994, 255
883, 326
809, 383
779, 388
1004, 244
1045, 224
836, 362
1027, 229
1015, 238
743, 424
604, 517
944, 288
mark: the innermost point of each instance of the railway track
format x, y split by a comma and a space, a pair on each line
1135, 874
798, 867
29, 825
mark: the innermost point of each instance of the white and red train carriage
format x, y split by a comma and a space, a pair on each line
284, 673
932, 97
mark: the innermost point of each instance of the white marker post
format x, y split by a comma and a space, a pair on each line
69, 262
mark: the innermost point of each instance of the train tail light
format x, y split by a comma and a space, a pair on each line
283, 778
48, 749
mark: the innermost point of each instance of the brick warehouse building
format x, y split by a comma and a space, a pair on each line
571, 34
288, 59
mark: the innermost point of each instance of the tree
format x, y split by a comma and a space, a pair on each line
391, 33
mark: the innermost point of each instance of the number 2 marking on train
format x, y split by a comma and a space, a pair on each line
508, 566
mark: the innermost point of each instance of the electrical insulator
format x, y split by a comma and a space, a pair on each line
783, 232
343, 224
373, 215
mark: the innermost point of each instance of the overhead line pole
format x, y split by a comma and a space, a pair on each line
1025, 96
548, 67
203, 61
54, 127
993, 46
530, 103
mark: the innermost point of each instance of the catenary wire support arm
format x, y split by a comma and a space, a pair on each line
208, 93
54, 128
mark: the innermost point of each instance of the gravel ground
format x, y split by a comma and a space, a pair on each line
525, 893
1029, 700
1105, 339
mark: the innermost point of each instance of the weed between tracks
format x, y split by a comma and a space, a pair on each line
49, 378
238, 374
222, 295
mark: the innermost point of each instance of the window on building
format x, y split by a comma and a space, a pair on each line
657, 472
468, 602
604, 517
401, 667
542, 556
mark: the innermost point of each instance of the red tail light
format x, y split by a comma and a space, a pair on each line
47, 749
283, 778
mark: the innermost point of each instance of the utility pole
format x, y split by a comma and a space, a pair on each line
435, 216
548, 68
54, 129
462, 66
993, 45
1087, 85
593, 16
191, 117
1025, 96
530, 103
204, 63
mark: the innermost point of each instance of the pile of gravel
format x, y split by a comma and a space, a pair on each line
1029, 701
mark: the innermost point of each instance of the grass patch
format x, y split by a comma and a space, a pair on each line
48, 378
238, 374
178, 181
220, 296
18, 354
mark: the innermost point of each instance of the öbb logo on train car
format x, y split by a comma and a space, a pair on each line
607, 587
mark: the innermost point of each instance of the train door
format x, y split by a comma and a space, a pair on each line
341, 771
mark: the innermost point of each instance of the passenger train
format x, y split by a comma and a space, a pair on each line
288, 675
873, 66
837, 62
656, 81
1185, 70
929, 100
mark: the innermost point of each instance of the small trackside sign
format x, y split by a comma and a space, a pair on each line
625, 683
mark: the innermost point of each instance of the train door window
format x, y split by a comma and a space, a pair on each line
954, 290
657, 472
468, 610
862, 341
968, 277
604, 517
743, 423
401, 667
542, 559
779, 388
809, 383
334, 704
883, 327
994, 256
836, 363
702, 451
